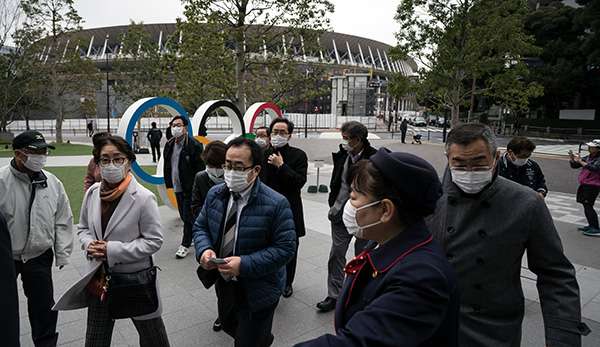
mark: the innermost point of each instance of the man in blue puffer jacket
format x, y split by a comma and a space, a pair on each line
245, 235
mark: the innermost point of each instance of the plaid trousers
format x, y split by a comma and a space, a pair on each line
100, 326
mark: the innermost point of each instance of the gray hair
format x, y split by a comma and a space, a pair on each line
355, 129
465, 134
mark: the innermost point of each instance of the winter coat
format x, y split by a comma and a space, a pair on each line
202, 184
288, 180
9, 299
403, 293
529, 175
37, 213
485, 237
134, 235
266, 240
190, 163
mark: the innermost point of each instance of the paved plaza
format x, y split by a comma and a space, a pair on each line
189, 310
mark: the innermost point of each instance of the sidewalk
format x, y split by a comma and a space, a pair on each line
189, 309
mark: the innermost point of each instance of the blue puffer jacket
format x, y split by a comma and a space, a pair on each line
266, 240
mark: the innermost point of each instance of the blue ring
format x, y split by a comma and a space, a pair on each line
137, 169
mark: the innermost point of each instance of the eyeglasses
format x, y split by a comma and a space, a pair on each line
280, 132
236, 167
119, 161
177, 126
471, 168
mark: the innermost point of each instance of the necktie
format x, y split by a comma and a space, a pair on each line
228, 243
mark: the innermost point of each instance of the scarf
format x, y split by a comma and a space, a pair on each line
110, 199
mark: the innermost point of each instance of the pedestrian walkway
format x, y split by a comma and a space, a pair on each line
189, 310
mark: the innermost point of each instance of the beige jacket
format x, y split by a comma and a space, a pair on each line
134, 234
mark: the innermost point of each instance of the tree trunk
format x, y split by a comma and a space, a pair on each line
59, 122
240, 79
472, 106
455, 119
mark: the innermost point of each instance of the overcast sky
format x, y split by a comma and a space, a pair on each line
372, 19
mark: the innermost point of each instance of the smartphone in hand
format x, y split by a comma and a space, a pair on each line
217, 261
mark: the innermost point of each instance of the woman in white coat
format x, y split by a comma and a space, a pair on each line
119, 230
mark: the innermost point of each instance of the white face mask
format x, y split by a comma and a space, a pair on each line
236, 181
346, 145
261, 142
520, 162
349, 218
472, 182
113, 174
36, 162
177, 131
215, 174
279, 141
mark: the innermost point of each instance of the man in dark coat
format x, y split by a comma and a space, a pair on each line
182, 162
154, 136
9, 319
403, 129
516, 165
485, 224
285, 172
355, 147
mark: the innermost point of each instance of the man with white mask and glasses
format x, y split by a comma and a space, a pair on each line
285, 172
485, 224
39, 219
244, 237
182, 161
516, 165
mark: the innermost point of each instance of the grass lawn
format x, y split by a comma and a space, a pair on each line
72, 179
61, 150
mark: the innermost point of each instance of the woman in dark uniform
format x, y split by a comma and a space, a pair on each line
400, 291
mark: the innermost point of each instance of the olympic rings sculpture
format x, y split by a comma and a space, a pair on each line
196, 126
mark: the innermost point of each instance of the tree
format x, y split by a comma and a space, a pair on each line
139, 67
565, 66
52, 24
463, 46
250, 26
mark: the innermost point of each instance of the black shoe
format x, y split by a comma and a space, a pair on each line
327, 305
217, 325
288, 291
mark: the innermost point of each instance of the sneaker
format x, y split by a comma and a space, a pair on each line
592, 232
182, 252
583, 228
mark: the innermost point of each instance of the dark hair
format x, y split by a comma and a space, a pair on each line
289, 123
355, 129
466, 134
183, 119
520, 144
117, 141
98, 136
255, 150
263, 128
153, 124
367, 179
214, 153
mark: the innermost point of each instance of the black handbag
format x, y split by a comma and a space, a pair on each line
132, 294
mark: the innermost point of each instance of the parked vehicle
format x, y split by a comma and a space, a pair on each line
420, 122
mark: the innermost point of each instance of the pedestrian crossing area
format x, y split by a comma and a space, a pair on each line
564, 208
562, 149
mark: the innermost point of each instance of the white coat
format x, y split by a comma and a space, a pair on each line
134, 234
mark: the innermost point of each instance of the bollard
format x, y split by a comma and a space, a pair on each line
428, 135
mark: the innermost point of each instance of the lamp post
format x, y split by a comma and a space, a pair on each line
107, 97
